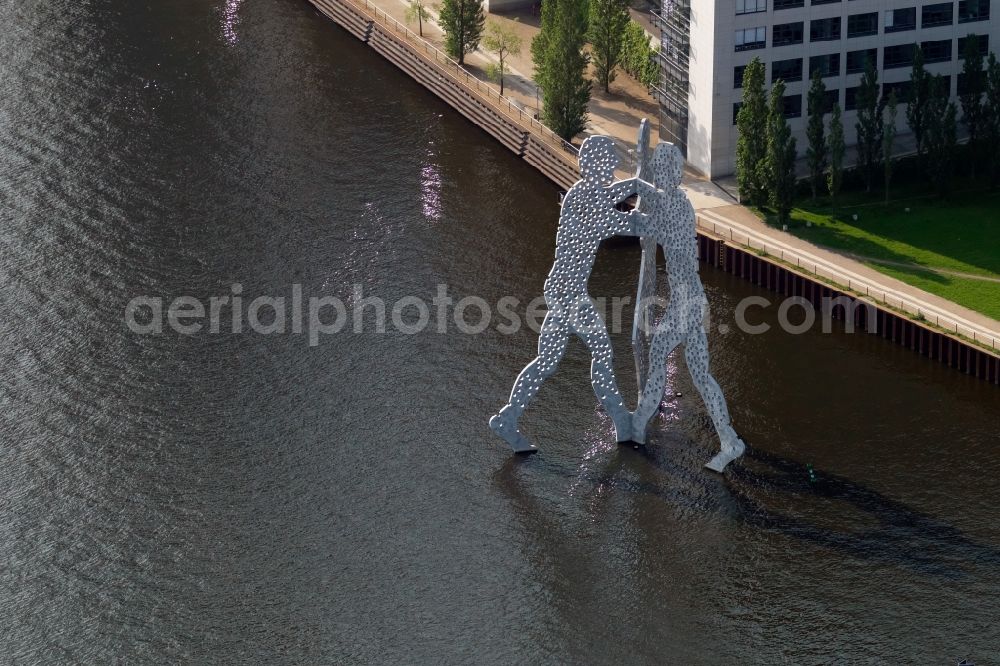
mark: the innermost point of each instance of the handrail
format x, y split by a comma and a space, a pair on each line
741, 235
461, 76
503, 103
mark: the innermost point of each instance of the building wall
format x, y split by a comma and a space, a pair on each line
712, 133
701, 90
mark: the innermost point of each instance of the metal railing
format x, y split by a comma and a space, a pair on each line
741, 236
463, 79
461, 76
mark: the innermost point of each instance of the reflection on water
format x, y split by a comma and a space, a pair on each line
430, 189
230, 19
240, 498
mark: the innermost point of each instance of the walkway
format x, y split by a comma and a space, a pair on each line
618, 115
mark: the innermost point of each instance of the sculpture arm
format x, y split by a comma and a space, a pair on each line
622, 189
644, 189
630, 223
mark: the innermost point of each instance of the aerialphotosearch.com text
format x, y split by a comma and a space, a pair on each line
318, 316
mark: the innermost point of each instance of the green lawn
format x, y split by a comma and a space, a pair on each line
960, 235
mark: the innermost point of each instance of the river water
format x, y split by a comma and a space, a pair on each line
246, 498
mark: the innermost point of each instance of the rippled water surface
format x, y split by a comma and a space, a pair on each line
246, 498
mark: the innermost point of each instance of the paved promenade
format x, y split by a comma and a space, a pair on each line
618, 115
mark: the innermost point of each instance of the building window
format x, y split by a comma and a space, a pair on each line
983, 42
898, 56
973, 10
934, 15
830, 97
786, 70
902, 90
824, 30
736, 110
738, 76
862, 25
792, 105
851, 98
822, 2
750, 6
900, 20
751, 38
784, 34
856, 60
827, 65
936, 51
787, 4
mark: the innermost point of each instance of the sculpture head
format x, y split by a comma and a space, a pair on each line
598, 159
667, 165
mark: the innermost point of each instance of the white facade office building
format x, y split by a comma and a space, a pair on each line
706, 43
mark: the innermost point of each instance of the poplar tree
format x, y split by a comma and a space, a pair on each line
637, 55
916, 105
541, 40
560, 64
780, 155
991, 113
971, 98
869, 125
816, 152
608, 20
941, 134
888, 137
751, 140
836, 148
462, 22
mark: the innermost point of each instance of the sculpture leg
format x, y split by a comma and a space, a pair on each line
666, 338
587, 324
551, 347
696, 355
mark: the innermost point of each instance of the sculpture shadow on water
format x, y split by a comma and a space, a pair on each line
903, 537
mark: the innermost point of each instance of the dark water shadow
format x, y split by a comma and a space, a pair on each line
904, 536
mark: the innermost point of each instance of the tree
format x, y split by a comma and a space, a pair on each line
869, 125
417, 11
637, 57
888, 137
541, 40
504, 42
971, 97
608, 21
751, 142
462, 22
941, 134
780, 155
560, 66
991, 113
916, 105
816, 152
835, 145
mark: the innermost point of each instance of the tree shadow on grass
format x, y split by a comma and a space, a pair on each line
931, 225
837, 241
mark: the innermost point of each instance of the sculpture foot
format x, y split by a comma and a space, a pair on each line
518, 442
728, 454
639, 436
623, 429
639, 431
